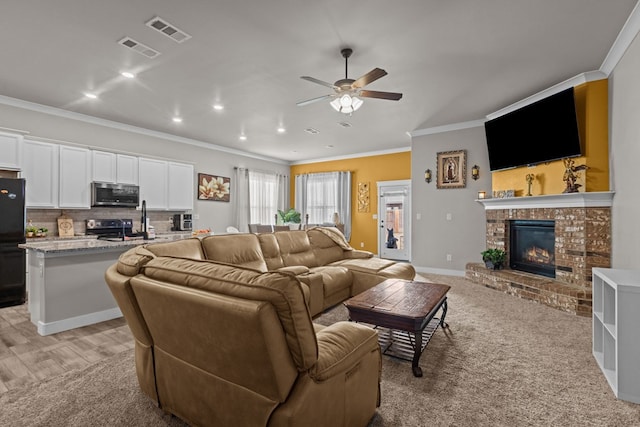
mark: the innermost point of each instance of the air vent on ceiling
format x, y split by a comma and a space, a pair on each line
142, 49
312, 131
168, 30
344, 124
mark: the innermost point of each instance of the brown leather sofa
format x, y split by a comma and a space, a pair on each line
225, 345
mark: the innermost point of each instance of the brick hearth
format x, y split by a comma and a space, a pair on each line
582, 241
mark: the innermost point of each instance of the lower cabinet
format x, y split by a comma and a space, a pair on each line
616, 316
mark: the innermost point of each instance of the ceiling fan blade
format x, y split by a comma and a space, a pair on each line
320, 82
312, 100
370, 77
393, 96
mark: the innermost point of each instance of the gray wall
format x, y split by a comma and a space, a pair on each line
624, 155
433, 236
214, 215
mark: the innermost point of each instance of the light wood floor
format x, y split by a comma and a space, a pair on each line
27, 358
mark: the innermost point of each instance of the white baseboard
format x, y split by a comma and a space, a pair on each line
78, 321
442, 271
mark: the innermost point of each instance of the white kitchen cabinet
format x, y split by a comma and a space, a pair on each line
75, 178
40, 170
126, 169
10, 147
104, 166
181, 188
616, 347
153, 181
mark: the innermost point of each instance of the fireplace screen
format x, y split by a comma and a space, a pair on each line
532, 247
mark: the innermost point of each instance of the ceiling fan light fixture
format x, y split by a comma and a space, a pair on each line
346, 104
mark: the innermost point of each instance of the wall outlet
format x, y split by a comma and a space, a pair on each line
196, 216
449, 217
449, 257
362, 244
418, 216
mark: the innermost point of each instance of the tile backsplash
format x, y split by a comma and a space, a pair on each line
162, 221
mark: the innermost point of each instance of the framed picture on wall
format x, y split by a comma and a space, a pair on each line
451, 169
213, 187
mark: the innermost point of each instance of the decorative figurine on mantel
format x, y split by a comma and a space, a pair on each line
571, 175
530, 177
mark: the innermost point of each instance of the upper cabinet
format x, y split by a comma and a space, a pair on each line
75, 177
181, 190
114, 168
40, 170
153, 179
126, 169
166, 185
10, 145
104, 166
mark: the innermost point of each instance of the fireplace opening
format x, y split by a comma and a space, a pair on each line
532, 247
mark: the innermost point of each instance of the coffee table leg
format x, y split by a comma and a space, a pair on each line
417, 352
444, 314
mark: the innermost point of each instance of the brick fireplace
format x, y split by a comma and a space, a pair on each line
582, 226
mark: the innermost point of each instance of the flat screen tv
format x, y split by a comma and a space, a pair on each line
540, 132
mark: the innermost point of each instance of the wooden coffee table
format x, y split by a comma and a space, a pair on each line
402, 306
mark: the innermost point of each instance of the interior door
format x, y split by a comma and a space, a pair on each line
394, 217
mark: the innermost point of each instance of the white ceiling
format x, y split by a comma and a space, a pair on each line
454, 61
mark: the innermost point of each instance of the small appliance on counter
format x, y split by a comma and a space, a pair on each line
182, 222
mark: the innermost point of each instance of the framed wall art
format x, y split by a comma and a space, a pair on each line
451, 169
213, 187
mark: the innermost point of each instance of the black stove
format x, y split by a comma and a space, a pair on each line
111, 229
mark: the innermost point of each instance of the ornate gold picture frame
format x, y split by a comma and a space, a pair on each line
451, 171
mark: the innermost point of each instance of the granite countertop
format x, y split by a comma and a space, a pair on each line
91, 243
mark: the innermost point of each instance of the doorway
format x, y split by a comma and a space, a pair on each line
394, 220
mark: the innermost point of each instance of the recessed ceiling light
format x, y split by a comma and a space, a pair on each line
91, 95
177, 119
281, 129
127, 74
243, 138
218, 107
329, 146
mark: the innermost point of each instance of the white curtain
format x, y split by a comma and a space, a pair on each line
241, 201
267, 194
320, 195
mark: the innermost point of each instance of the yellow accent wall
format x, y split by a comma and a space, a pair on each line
371, 169
593, 122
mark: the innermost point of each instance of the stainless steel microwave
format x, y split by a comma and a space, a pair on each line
116, 195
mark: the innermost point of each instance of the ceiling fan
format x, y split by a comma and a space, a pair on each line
348, 91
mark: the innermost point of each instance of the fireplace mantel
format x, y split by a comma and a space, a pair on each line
565, 200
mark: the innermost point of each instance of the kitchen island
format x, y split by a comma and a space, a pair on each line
65, 280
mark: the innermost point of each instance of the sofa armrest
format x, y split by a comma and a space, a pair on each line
341, 346
356, 253
294, 269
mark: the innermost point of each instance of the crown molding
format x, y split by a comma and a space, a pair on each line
447, 128
625, 37
589, 76
352, 156
59, 112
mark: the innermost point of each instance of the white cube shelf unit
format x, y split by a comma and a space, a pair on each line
616, 320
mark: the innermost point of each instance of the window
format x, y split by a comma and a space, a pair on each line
264, 197
320, 195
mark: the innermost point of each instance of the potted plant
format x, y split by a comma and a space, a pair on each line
42, 231
31, 230
494, 258
290, 216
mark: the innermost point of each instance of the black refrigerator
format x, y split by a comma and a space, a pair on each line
12, 258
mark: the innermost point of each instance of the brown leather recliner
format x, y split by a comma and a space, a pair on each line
224, 345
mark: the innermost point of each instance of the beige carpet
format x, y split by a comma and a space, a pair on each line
503, 362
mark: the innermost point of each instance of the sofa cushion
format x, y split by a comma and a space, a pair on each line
270, 251
282, 290
186, 248
324, 247
237, 249
295, 248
